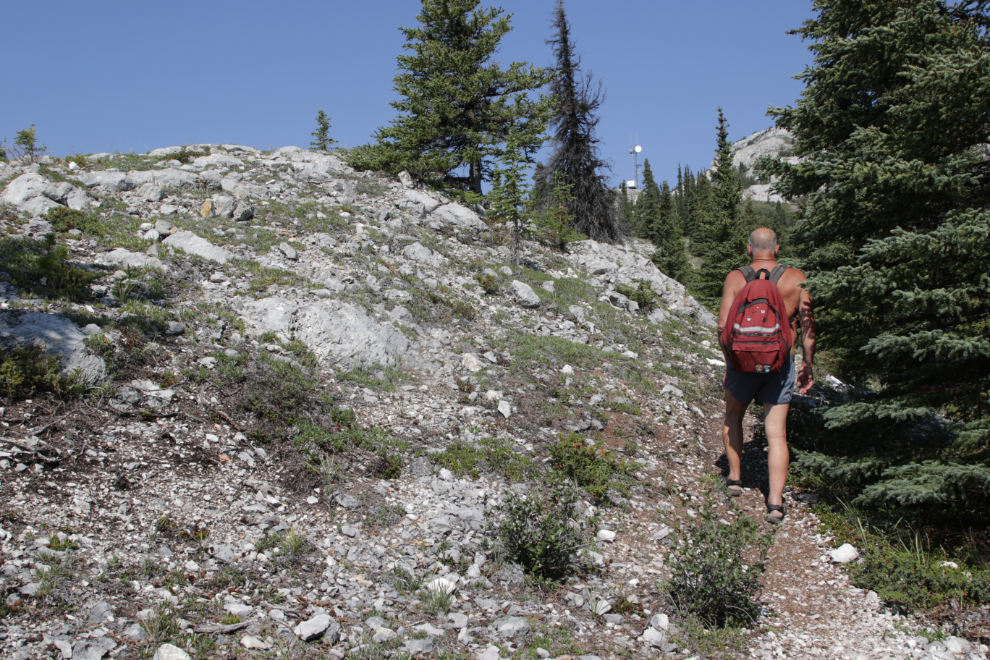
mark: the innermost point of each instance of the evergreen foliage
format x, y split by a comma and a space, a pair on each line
322, 137
576, 154
725, 237
893, 131
509, 196
647, 206
665, 232
557, 225
26, 145
457, 102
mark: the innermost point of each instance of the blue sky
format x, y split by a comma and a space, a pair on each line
134, 76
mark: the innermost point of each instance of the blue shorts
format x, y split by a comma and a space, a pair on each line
773, 388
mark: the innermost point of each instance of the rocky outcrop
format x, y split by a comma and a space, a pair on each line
36, 194
58, 336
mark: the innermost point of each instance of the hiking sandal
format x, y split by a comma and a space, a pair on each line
737, 483
774, 520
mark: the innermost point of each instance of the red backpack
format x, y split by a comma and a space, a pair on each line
758, 334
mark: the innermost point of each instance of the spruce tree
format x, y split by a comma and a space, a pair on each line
576, 154
645, 211
456, 103
322, 137
725, 239
665, 232
892, 130
510, 189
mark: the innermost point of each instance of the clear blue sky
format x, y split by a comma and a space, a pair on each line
112, 75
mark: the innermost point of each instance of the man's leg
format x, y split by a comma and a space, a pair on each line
732, 434
776, 424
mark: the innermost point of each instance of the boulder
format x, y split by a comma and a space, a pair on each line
150, 192
424, 255
110, 182
335, 331
418, 197
460, 217
320, 625
127, 259
58, 336
524, 294
192, 244
244, 188
35, 194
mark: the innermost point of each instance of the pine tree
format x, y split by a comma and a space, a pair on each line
893, 131
626, 205
647, 206
697, 222
322, 132
26, 145
510, 190
665, 232
456, 103
725, 239
576, 154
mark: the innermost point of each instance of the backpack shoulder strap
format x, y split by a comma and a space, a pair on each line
777, 272
748, 273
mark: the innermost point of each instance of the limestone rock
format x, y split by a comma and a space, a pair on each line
336, 331
320, 625
200, 247
170, 652
524, 294
127, 259
844, 554
58, 336
424, 255
35, 194
461, 217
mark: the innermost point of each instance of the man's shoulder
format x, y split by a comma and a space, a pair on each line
793, 276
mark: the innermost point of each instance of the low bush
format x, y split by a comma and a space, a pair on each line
593, 467
643, 294
489, 283
495, 454
712, 580
25, 371
42, 267
542, 530
63, 219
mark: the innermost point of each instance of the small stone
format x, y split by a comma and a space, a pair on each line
660, 622
654, 638
208, 362
471, 362
844, 554
957, 645
239, 609
512, 626
252, 642
505, 408
416, 646
288, 251
548, 286
491, 653
319, 626
567, 370
64, 647
169, 652
542, 652
606, 535
457, 620
442, 585
383, 635
349, 531
135, 632
174, 328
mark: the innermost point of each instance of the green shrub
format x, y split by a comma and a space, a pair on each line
25, 371
489, 283
593, 467
643, 294
542, 530
42, 267
495, 454
712, 579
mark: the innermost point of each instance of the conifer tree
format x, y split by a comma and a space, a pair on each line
626, 205
725, 239
322, 137
576, 154
698, 219
510, 191
456, 100
893, 131
665, 233
647, 206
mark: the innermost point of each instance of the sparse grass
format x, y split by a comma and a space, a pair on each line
494, 454
404, 581
383, 378
288, 547
161, 624
438, 602
58, 545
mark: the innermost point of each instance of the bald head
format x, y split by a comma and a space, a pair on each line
763, 240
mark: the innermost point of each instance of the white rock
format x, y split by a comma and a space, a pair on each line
318, 626
606, 535
461, 217
424, 255
471, 362
654, 638
252, 642
524, 294
169, 652
505, 408
844, 554
567, 369
200, 247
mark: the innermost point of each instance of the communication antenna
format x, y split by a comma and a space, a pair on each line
634, 151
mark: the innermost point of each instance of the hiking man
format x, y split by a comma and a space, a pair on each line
771, 388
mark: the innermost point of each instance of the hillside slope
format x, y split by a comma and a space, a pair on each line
315, 389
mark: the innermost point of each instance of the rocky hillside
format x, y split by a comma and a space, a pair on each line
288, 410
771, 142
